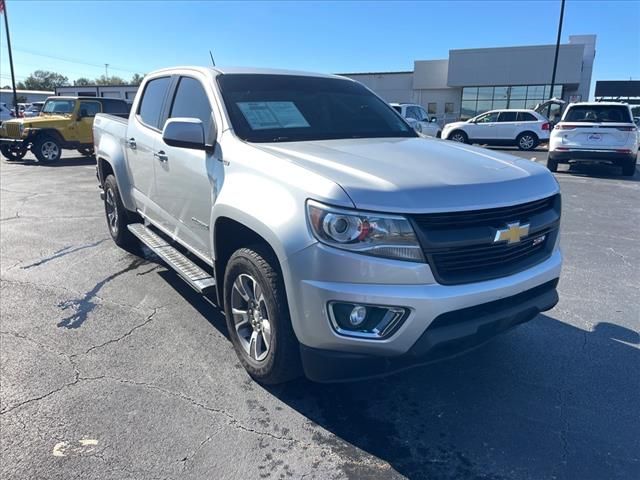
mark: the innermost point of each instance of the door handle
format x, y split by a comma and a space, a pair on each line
161, 156
132, 143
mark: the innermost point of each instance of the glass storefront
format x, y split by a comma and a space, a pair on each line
476, 100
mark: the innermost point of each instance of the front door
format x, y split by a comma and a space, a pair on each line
484, 127
81, 128
185, 177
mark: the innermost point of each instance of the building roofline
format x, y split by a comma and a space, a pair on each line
374, 73
32, 92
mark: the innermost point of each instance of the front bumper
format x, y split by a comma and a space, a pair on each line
449, 334
318, 275
617, 158
13, 141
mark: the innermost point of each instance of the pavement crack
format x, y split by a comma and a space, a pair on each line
621, 256
148, 320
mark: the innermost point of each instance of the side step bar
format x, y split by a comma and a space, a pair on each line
195, 276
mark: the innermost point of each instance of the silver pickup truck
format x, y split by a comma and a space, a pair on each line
339, 243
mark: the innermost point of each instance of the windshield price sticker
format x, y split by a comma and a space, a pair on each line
266, 115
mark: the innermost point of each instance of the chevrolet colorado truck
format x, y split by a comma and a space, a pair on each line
63, 123
338, 242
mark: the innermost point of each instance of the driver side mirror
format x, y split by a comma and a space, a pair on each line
433, 120
185, 133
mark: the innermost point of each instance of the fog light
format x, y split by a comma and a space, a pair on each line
358, 315
365, 321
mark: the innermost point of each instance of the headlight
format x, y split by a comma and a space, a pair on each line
381, 235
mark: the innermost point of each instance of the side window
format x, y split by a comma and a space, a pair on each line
191, 101
507, 117
526, 117
89, 109
488, 118
152, 100
423, 115
412, 112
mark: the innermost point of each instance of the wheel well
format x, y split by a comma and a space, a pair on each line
529, 132
457, 130
229, 236
49, 133
104, 169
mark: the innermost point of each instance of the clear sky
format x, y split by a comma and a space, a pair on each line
140, 36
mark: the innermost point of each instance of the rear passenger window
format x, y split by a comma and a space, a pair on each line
191, 101
507, 117
526, 117
115, 107
89, 109
152, 99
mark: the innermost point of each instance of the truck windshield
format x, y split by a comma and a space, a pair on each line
288, 108
59, 106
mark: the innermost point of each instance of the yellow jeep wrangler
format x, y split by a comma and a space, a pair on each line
63, 123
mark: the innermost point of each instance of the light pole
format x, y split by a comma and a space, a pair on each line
555, 60
106, 69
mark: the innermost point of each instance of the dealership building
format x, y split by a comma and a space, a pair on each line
472, 81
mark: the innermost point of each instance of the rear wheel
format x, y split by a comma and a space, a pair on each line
13, 152
527, 141
258, 318
459, 136
629, 169
117, 216
47, 149
86, 151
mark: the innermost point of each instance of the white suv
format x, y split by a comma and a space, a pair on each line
524, 128
602, 131
418, 118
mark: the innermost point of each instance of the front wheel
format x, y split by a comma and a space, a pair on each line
459, 136
257, 316
47, 149
527, 141
13, 152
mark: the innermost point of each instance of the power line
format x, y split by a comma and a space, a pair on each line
71, 60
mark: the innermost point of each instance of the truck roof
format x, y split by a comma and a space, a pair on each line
247, 70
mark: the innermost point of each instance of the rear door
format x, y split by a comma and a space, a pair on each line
185, 177
507, 127
143, 133
596, 127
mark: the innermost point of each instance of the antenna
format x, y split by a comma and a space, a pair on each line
212, 60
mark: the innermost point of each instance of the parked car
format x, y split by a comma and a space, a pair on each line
5, 113
525, 129
65, 123
600, 132
418, 118
33, 110
338, 242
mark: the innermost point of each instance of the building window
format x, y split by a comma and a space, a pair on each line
477, 100
448, 107
432, 108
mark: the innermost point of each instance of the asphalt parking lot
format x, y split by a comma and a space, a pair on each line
112, 368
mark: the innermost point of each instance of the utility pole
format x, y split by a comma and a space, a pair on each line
555, 60
106, 69
3, 9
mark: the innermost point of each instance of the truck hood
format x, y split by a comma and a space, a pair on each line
415, 175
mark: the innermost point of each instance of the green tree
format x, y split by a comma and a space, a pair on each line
104, 80
137, 79
82, 81
43, 80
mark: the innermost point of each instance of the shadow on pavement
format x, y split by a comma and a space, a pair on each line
597, 170
548, 400
63, 162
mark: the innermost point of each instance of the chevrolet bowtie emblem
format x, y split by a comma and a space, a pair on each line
512, 234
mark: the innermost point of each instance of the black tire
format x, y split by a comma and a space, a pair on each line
87, 151
439, 134
458, 136
47, 149
552, 164
629, 169
117, 216
281, 361
527, 141
12, 152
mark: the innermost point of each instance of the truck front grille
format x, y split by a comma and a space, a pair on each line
13, 129
460, 247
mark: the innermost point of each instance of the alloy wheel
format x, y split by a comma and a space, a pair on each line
50, 150
526, 142
112, 211
251, 317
